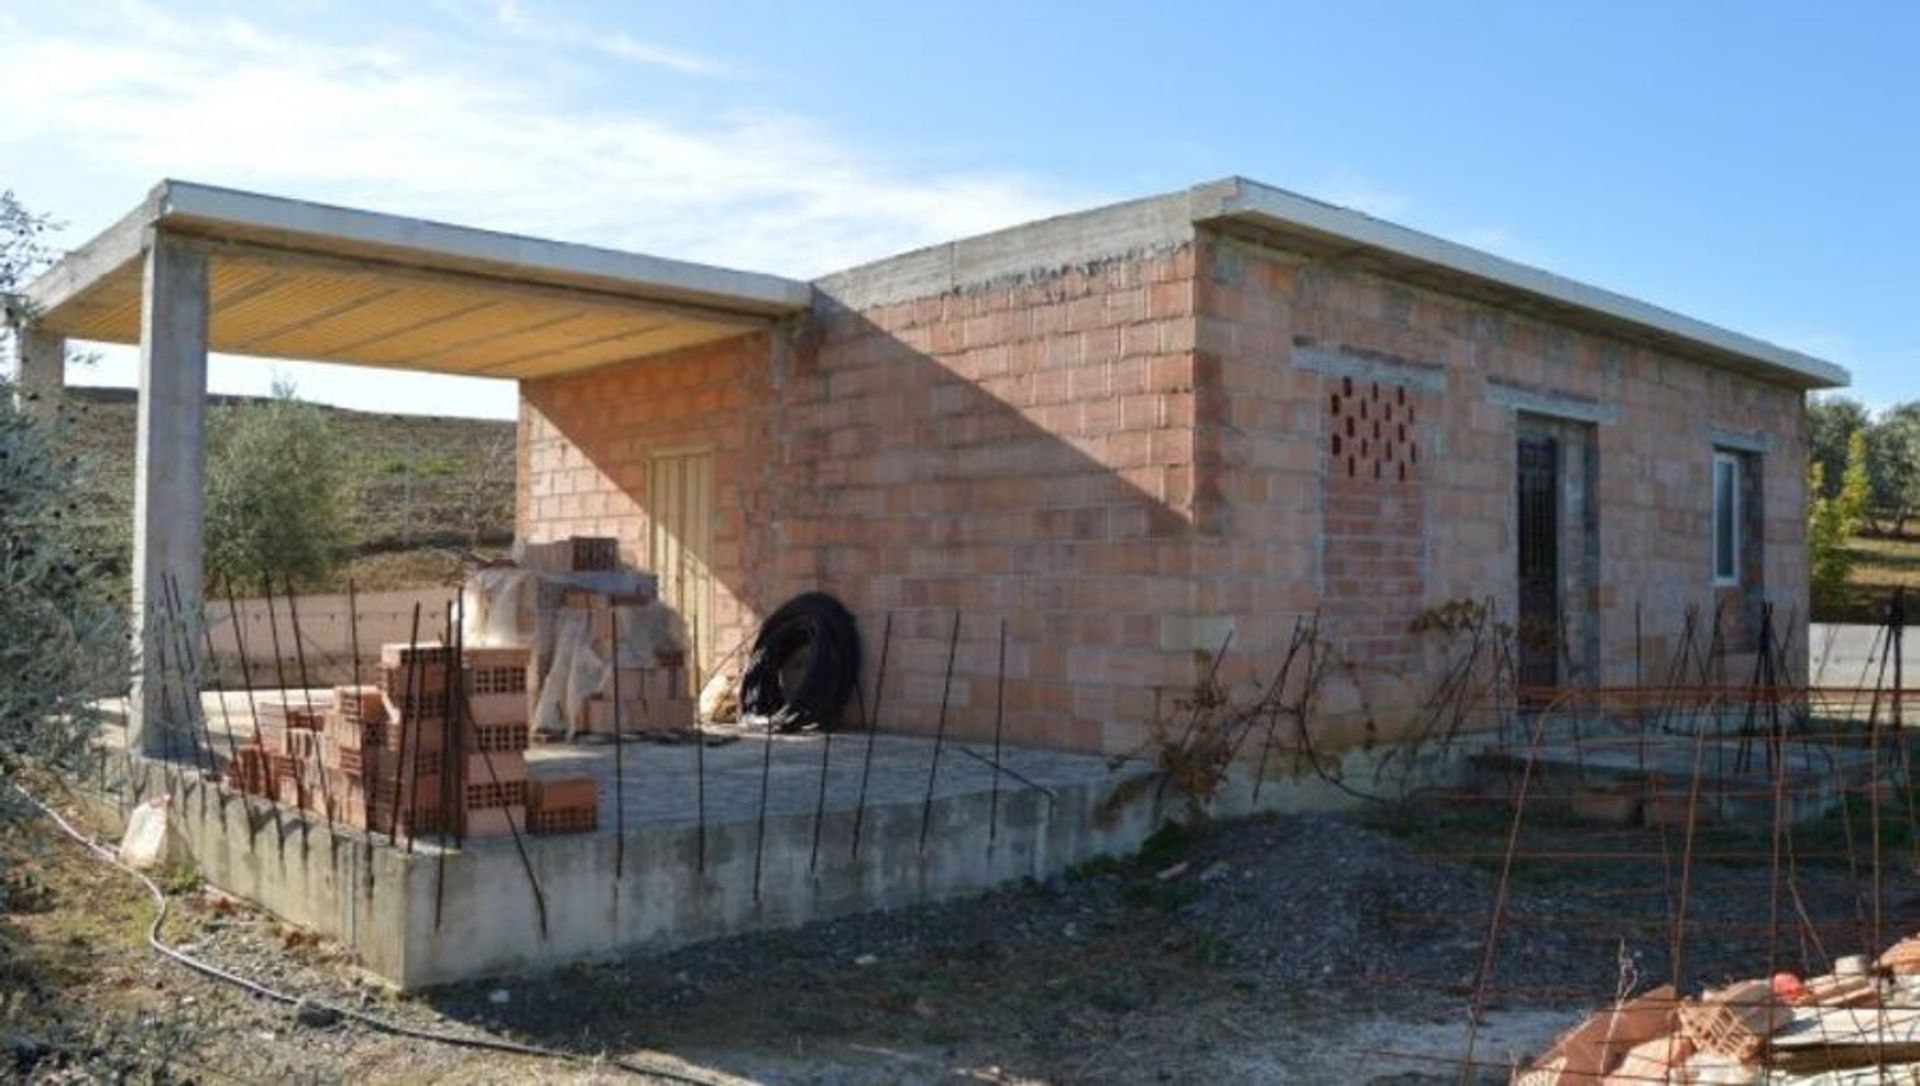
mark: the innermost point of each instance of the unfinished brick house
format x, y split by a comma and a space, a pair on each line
1129, 432
1135, 430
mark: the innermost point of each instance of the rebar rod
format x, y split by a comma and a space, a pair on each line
999, 724
306, 686
460, 718
619, 764
191, 654
405, 777
452, 802
940, 730
873, 730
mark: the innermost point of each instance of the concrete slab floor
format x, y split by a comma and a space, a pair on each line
652, 782
1739, 777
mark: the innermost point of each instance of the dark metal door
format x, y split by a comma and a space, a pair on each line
1538, 630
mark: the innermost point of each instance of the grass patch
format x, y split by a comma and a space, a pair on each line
1882, 565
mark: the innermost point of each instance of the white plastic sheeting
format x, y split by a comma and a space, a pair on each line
575, 673
500, 608
521, 608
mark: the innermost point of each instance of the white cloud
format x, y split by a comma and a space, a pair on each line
549, 30
426, 127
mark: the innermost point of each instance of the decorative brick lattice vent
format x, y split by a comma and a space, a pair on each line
1372, 432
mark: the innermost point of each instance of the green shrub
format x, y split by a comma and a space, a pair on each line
1834, 520
280, 494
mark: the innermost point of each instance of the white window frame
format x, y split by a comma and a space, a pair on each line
1732, 461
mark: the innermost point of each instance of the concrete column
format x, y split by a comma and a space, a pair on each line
42, 371
169, 488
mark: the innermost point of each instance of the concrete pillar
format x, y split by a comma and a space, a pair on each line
169, 488
41, 373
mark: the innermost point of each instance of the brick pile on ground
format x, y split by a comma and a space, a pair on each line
1859, 1023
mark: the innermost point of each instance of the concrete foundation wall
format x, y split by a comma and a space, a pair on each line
490, 922
339, 884
417, 918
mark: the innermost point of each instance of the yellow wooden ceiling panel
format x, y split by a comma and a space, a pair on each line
454, 341
391, 308
582, 330
112, 311
668, 338
286, 305
612, 336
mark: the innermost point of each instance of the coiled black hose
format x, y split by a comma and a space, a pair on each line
813, 635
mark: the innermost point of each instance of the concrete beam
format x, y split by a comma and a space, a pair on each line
1445, 263
82, 269
41, 366
169, 487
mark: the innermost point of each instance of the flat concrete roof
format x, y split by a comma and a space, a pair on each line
296, 279
1237, 206
1422, 258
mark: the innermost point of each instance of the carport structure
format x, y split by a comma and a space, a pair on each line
195, 269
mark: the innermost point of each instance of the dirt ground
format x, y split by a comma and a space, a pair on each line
1303, 949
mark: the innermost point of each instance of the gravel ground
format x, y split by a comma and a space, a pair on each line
1287, 949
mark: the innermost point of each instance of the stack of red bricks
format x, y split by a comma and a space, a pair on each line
391, 758
642, 699
574, 554
655, 698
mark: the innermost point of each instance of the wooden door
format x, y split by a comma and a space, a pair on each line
680, 541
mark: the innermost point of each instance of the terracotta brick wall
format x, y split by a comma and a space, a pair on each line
586, 443
1129, 459
1023, 450
1266, 314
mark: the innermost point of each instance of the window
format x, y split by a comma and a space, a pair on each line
1726, 519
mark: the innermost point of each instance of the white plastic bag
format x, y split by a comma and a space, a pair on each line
144, 846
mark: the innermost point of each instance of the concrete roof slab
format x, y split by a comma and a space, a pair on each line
1237, 204
294, 279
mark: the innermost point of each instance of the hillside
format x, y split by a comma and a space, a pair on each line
428, 486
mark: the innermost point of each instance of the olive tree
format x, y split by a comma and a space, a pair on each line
63, 612
280, 493
1831, 423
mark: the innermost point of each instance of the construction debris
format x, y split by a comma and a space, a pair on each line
1779, 1031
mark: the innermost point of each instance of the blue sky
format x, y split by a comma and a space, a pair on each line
1756, 165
